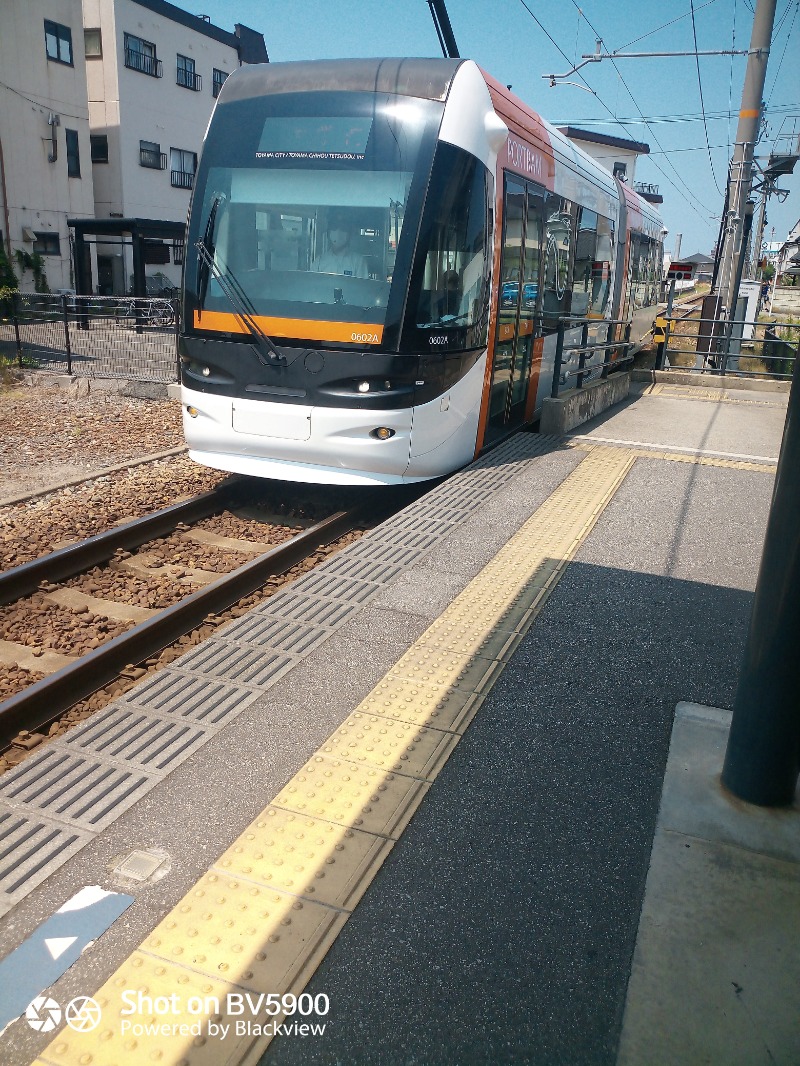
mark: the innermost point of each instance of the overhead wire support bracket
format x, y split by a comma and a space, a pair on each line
598, 56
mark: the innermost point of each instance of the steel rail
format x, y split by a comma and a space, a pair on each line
83, 554
44, 701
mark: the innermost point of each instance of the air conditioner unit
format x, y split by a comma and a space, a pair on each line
28, 234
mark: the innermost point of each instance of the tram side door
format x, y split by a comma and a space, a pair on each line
518, 317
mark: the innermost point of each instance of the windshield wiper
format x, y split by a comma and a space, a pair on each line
243, 309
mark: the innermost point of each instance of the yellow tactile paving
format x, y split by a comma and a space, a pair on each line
364, 797
320, 860
445, 708
260, 921
691, 392
248, 935
388, 744
678, 457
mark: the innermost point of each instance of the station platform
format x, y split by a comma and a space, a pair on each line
455, 793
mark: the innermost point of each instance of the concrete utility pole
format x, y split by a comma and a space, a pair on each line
740, 178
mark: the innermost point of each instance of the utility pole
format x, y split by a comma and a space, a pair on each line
740, 178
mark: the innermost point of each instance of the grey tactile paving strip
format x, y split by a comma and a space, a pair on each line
327, 613
281, 634
76, 790
32, 847
128, 735
254, 666
205, 701
63, 795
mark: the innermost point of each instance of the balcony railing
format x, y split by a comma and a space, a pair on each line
182, 179
143, 63
151, 159
189, 80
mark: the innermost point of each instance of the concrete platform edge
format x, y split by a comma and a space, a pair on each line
579, 405
717, 964
709, 380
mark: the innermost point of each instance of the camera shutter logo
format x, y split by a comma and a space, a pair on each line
82, 1014
43, 1014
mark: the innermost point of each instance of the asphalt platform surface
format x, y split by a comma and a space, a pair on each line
502, 926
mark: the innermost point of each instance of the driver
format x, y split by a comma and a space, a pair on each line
339, 258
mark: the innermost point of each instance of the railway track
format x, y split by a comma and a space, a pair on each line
95, 586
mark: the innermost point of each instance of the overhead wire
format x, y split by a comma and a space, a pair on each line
691, 197
672, 22
561, 51
702, 101
785, 47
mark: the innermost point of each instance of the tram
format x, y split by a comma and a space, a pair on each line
378, 256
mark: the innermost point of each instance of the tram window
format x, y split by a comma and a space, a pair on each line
276, 174
585, 248
601, 268
557, 263
454, 256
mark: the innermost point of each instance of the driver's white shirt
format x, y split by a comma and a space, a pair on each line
348, 263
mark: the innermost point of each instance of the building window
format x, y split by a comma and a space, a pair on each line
58, 42
219, 80
186, 75
92, 44
178, 249
46, 244
99, 146
151, 156
141, 55
182, 164
73, 154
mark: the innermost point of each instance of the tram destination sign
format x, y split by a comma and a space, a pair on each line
681, 271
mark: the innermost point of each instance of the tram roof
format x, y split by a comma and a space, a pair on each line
429, 79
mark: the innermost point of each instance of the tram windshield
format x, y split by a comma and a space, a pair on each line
301, 201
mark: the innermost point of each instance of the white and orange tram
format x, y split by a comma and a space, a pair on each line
378, 256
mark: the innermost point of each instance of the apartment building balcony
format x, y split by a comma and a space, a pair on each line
145, 64
189, 80
182, 179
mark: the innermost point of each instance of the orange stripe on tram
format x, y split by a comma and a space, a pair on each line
300, 328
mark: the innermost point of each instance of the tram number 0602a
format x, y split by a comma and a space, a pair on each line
438, 340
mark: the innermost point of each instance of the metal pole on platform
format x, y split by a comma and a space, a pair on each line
762, 761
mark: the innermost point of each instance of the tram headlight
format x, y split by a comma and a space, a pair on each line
382, 433
206, 371
363, 386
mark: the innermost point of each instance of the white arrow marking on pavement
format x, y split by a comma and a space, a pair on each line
58, 945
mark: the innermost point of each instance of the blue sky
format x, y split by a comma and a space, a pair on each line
688, 159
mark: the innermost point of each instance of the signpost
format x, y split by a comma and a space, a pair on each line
676, 272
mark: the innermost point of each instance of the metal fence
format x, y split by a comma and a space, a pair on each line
92, 336
591, 353
742, 347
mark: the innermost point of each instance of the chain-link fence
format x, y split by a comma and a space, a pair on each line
92, 336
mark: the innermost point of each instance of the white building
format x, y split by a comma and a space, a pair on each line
45, 162
153, 72
618, 155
